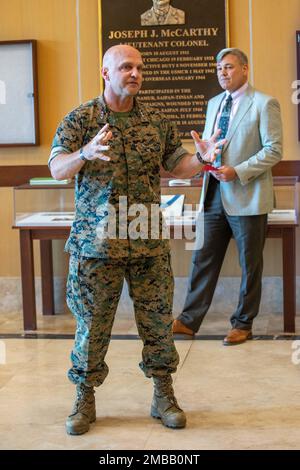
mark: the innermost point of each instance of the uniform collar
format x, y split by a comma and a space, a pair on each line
138, 111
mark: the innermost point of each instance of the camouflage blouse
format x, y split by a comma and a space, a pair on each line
114, 200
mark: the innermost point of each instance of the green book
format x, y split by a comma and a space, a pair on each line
48, 180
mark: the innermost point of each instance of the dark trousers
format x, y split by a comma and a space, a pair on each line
249, 233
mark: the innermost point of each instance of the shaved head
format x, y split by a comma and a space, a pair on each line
122, 71
115, 52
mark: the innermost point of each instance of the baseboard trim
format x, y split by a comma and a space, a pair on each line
11, 295
287, 337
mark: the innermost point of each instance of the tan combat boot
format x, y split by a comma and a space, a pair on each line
164, 404
84, 411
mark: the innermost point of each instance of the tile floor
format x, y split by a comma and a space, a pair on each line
242, 397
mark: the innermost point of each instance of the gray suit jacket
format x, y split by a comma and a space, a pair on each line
254, 145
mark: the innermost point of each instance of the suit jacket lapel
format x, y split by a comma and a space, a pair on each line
243, 108
211, 119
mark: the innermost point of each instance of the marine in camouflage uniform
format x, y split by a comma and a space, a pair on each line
142, 141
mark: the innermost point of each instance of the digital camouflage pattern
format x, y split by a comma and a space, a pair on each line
93, 292
142, 141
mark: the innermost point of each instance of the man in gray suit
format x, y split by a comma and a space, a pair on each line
235, 198
162, 13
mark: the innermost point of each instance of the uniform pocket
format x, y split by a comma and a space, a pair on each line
73, 296
150, 150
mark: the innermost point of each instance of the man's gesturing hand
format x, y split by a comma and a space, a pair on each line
97, 147
208, 149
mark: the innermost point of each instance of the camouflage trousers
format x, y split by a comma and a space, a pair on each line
93, 292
